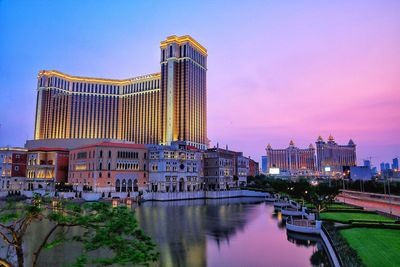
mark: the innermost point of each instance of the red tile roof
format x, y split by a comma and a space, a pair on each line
48, 149
112, 144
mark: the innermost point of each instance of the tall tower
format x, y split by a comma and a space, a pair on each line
183, 109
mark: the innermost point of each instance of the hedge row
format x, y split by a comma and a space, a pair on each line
348, 256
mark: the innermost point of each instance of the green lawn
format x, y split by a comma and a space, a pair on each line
335, 206
341, 206
376, 247
346, 216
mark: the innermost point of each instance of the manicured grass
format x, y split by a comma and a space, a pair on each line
338, 206
376, 247
345, 217
335, 206
309, 205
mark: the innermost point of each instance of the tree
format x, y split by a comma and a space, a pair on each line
103, 227
320, 196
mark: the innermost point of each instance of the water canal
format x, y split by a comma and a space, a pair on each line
215, 233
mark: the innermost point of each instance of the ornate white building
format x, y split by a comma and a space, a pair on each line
175, 168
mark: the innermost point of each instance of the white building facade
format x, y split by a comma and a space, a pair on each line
242, 169
175, 168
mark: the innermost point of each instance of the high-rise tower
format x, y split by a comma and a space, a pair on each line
183, 113
149, 109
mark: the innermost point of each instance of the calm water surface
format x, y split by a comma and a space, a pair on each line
226, 232
216, 233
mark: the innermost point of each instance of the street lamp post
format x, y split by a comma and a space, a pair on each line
390, 197
344, 194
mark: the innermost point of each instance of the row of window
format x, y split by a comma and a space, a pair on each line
129, 166
128, 155
138, 87
183, 51
82, 87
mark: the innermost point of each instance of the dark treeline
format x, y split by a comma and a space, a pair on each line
298, 187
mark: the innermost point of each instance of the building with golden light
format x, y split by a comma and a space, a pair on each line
46, 167
292, 160
151, 109
332, 157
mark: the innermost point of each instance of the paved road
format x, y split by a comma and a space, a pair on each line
369, 204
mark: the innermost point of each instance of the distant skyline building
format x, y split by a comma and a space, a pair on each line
367, 163
387, 166
360, 173
292, 159
264, 164
382, 166
395, 164
156, 108
333, 156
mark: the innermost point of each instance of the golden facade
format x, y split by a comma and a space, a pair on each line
334, 156
150, 109
292, 159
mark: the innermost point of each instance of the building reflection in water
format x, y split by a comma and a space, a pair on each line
181, 228
225, 232
319, 256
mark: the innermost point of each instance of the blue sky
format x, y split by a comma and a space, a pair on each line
277, 70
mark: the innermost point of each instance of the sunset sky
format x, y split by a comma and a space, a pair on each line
277, 70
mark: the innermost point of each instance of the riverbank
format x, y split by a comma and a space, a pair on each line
148, 196
363, 238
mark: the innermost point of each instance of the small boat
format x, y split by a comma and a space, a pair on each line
281, 204
290, 211
303, 226
270, 198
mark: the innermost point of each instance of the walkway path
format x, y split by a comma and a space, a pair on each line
370, 204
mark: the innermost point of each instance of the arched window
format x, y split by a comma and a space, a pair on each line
101, 153
109, 166
118, 186
123, 188
130, 185
135, 185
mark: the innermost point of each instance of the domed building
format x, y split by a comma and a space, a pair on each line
292, 160
332, 157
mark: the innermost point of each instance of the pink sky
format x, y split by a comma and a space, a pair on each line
277, 70
322, 71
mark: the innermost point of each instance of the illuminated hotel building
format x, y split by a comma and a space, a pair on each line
109, 166
292, 159
332, 157
45, 167
12, 167
151, 109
